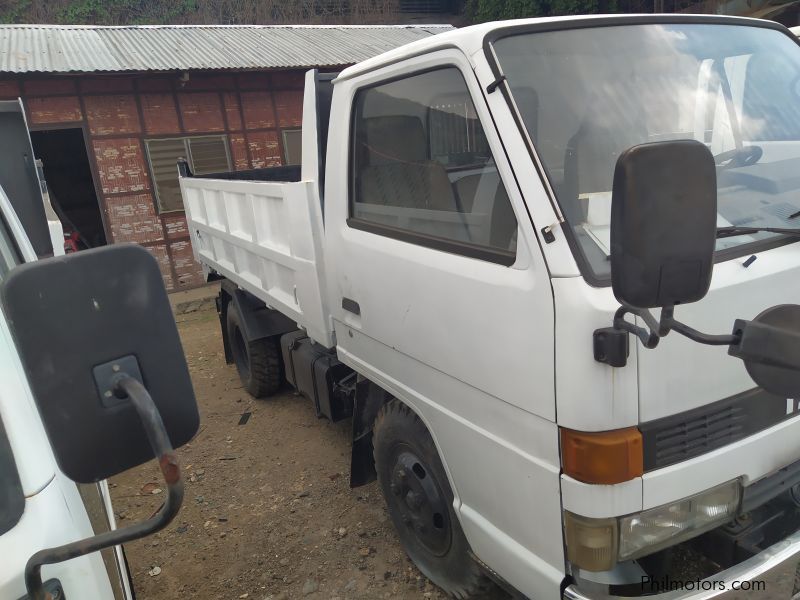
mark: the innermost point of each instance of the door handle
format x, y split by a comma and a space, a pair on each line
351, 306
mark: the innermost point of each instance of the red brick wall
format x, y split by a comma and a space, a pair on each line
117, 113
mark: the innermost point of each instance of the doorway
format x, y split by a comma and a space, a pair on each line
68, 173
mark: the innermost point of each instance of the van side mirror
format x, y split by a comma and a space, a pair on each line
663, 224
99, 345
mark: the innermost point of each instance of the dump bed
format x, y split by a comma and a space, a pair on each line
266, 235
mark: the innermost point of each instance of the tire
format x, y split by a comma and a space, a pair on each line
420, 504
258, 362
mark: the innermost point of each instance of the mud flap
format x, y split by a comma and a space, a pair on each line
368, 401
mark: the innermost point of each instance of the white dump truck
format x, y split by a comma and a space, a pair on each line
94, 382
549, 268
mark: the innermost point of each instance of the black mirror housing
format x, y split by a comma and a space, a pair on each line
663, 224
82, 320
769, 345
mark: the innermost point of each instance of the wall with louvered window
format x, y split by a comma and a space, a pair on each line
205, 154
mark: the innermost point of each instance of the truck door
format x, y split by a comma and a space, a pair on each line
438, 289
433, 265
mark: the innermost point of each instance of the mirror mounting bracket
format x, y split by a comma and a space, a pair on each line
168, 463
769, 344
611, 344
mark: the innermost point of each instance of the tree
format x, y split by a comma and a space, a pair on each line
479, 11
229, 12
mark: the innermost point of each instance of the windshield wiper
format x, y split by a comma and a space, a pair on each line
724, 232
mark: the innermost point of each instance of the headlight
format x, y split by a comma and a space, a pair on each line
657, 528
597, 544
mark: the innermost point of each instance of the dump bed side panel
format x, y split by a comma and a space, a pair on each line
267, 238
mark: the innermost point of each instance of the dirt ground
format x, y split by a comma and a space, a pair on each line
268, 512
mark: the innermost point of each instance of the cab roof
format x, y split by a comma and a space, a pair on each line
471, 39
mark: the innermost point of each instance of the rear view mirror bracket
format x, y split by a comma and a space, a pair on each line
131, 388
769, 345
608, 340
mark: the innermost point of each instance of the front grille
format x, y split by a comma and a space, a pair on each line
700, 435
680, 437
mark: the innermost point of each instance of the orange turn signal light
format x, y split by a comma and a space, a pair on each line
605, 457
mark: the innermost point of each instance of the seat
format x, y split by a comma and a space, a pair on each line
486, 193
611, 125
397, 170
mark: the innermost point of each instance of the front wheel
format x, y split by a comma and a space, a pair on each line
420, 503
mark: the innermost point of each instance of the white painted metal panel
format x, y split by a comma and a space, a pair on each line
266, 238
680, 375
52, 517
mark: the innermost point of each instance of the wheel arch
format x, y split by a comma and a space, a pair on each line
369, 399
258, 321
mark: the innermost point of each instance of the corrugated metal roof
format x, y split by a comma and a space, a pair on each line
75, 48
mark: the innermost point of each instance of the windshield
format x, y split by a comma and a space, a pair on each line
586, 95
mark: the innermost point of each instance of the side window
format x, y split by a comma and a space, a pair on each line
422, 170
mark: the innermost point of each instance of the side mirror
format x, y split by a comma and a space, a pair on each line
101, 352
78, 320
663, 224
769, 345
663, 234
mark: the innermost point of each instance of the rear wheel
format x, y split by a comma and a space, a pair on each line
258, 362
420, 503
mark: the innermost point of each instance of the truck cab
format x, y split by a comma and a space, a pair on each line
476, 215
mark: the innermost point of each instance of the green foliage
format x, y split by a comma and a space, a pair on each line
493, 10
479, 11
85, 11
13, 12
137, 12
120, 12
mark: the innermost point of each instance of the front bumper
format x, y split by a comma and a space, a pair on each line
776, 567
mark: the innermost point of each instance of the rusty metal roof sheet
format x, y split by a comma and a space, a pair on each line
76, 48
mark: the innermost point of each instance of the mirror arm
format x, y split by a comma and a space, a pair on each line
700, 337
162, 447
611, 345
649, 337
656, 329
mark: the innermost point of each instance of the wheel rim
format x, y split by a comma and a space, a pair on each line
239, 347
421, 506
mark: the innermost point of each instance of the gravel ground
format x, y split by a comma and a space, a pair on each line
268, 511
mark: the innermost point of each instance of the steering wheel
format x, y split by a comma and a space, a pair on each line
739, 157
